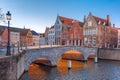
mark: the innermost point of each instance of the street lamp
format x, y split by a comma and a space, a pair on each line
18, 46
8, 16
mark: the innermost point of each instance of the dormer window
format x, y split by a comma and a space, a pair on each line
90, 23
99, 22
104, 23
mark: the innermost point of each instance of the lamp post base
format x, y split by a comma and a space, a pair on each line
8, 50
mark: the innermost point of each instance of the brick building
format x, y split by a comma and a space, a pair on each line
118, 45
72, 34
46, 35
59, 24
14, 36
26, 37
98, 32
35, 37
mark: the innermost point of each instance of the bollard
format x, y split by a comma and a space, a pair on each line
69, 64
96, 59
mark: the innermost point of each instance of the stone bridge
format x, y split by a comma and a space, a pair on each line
53, 54
12, 67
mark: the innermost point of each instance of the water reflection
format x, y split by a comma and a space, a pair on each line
103, 70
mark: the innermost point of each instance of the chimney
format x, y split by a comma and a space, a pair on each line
113, 25
108, 20
84, 19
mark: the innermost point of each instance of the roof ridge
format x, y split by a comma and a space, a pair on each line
66, 17
100, 18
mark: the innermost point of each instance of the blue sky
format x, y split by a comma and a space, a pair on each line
37, 14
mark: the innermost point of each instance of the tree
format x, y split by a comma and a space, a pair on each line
2, 17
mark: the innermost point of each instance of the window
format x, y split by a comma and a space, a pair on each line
57, 22
99, 22
90, 23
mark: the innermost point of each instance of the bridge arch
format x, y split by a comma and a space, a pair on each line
53, 54
91, 55
73, 54
33, 55
43, 61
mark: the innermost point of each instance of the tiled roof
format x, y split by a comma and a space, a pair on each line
78, 24
11, 28
2, 27
34, 33
51, 27
24, 32
100, 20
65, 20
81, 24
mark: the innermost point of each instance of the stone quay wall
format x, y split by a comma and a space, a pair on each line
110, 54
7, 68
10, 66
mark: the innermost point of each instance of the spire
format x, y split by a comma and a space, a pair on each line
24, 27
57, 14
90, 13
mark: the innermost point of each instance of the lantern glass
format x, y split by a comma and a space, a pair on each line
8, 16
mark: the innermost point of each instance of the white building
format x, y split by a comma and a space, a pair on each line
14, 37
51, 36
42, 39
36, 38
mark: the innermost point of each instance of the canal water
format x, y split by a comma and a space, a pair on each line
103, 70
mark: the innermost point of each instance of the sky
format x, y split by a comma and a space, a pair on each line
39, 14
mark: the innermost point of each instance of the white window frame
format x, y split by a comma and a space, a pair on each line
89, 23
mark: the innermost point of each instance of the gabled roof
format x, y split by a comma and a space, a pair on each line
100, 20
47, 29
2, 27
51, 27
24, 32
65, 20
81, 24
34, 33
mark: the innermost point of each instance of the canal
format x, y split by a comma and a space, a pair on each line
103, 70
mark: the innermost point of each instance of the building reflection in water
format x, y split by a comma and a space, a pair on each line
103, 70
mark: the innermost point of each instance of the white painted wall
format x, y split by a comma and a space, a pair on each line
42, 41
51, 36
36, 40
14, 37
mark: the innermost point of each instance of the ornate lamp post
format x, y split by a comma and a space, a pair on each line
8, 16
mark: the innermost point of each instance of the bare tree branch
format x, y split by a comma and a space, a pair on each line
2, 16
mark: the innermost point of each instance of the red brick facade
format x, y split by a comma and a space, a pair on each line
98, 32
72, 34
